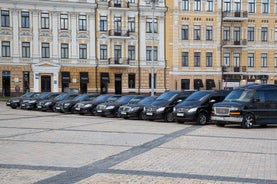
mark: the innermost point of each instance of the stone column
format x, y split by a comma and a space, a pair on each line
55, 28
36, 44
74, 45
92, 40
16, 44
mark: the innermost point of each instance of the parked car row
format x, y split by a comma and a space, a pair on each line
247, 105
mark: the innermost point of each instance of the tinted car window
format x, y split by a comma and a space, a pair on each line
168, 96
124, 99
240, 96
198, 96
147, 100
61, 97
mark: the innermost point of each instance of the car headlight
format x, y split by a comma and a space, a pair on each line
47, 103
134, 109
161, 109
234, 109
32, 101
66, 104
192, 109
110, 107
88, 105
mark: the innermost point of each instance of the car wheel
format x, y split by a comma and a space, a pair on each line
169, 117
81, 113
142, 116
13, 107
248, 121
220, 124
202, 118
180, 121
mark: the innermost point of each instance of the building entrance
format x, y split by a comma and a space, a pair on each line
45, 83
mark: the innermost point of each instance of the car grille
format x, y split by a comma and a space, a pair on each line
181, 109
151, 109
101, 107
79, 105
222, 111
125, 108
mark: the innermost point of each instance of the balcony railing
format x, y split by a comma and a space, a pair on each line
235, 15
234, 43
119, 4
118, 62
234, 69
119, 33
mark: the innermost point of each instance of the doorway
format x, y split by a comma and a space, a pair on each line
118, 83
6, 83
45, 83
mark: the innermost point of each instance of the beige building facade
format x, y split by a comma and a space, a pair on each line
221, 44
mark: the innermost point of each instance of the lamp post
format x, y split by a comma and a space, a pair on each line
152, 53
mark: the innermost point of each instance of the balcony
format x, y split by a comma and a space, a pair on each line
116, 4
118, 62
234, 15
234, 43
120, 34
234, 69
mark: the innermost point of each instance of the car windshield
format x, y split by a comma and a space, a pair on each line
124, 99
80, 97
101, 98
61, 96
136, 99
43, 95
112, 98
28, 95
147, 100
240, 96
167, 96
198, 95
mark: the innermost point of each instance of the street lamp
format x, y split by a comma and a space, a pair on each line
152, 57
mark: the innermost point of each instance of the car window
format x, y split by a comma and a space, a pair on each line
198, 96
168, 96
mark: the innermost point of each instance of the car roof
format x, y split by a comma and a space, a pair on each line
256, 86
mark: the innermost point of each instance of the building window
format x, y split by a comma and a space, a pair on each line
5, 18
185, 84
45, 50
83, 51
25, 19
210, 6
150, 79
275, 34
275, 60
149, 25
264, 60
251, 62
227, 6
132, 80
103, 23
103, 52
26, 49
209, 33
209, 59
197, 33
131, 52
149, 53
185, 5
226, 59
226, 33
117, 25
44, 20
237, 35
265, 6
6, 49
197, 59
185, 32
251, 6
264, 34
197, 5
64, 22
185, 59
250, 34
236, 59
82, 22
64, 51
131, 24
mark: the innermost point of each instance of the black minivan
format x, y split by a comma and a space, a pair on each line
198, 106
248, 105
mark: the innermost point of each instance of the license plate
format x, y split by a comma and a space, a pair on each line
39, 106
77, 108
123, 112
8, 103
149, 113
99, 110
23, 105
58, 108
180, 114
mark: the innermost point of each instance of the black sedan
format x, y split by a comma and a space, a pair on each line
31, 103
135, 110
16, 101
49, 104
89, 107
68, 105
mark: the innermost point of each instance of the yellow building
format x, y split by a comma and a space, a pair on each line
221, 44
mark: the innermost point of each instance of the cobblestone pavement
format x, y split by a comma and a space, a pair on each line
44, 147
